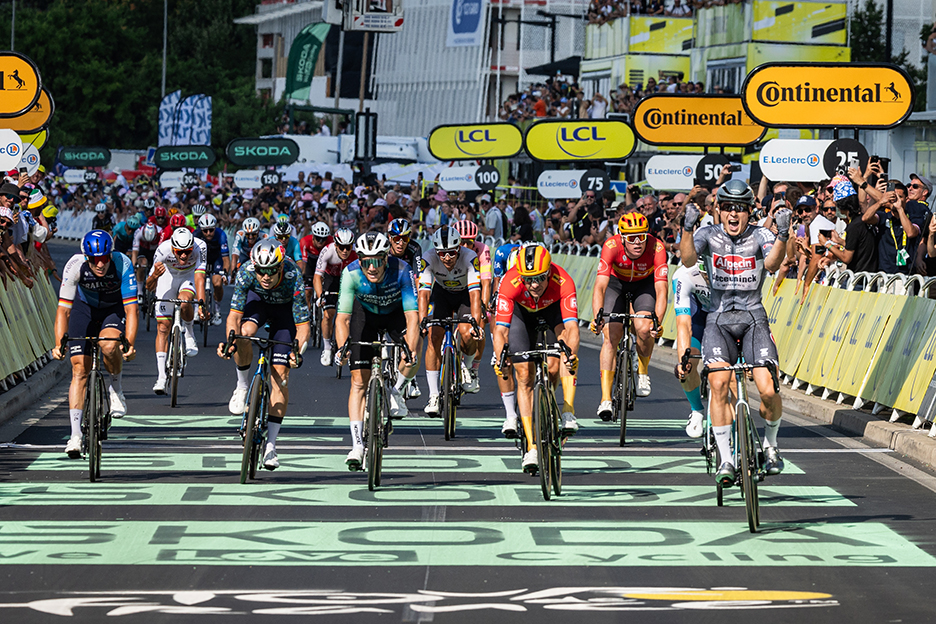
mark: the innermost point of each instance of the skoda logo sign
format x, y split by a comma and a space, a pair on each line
258, 152
182, 156
812, 160
84, 156
465, 15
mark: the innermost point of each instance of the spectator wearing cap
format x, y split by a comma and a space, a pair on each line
14, 233
899, 227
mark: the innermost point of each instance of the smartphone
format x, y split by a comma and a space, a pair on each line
891, 186
734, 168
853, 163
885, 165
22, 169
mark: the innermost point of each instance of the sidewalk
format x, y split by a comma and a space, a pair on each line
28, 392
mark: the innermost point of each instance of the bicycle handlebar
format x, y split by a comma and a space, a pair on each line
744, 366
558, 348
626, 317
377, 344
122, 339
264, 343
450, 323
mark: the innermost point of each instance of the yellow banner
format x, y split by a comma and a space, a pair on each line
921, 372
818, 345
661, 35
799, 22
35, 118
20, 83
897, 351
848, 316
564, 141
674, 119
495, 140
795, 344
857, 355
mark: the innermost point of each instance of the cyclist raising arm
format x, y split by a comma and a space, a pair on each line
737, 256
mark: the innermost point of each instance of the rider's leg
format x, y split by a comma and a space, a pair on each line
328, 324
469, 345
188, 310
434, 360
359, 381
721, 412
612, 332
279, 400
113, 356
690, 386
525, 379
642, 328
218, 283
81, 365
163, 324
771, 405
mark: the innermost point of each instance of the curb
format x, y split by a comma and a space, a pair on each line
34, 388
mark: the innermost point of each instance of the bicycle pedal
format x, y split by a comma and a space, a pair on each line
531, 470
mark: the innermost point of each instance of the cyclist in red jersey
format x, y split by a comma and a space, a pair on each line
175, 221
311, 247
533, 290
632, 262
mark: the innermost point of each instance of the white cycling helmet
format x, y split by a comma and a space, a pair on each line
446, 238
344, 236
102, 207
267, 254
207, 221
321, 230
150, 233
251, 225
198, 210
372, 244
282, 229
149, 203
182, 238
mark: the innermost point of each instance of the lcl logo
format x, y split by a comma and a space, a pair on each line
571, 140
472, 136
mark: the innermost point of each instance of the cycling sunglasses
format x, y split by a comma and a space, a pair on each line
373, 263
736, 208
268, 271
208, 231
448, 253
343, 247
535, 279
635, 238
183, 252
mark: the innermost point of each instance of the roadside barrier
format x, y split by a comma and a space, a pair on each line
73, 226
27, 318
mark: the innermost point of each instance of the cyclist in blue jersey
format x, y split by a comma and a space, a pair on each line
268, 291
244, 240
218, 261
124, 232
282, 232
377, 294
98, 297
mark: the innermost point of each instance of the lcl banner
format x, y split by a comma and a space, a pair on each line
468, 142
564, 141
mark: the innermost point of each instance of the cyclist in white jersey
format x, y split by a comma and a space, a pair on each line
692, 300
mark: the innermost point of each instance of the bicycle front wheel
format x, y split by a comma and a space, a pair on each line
555, 446
448, 393
748, 467
206, 322
374, 431
95, 418
541, 430
248, 457
175, 365
625, 388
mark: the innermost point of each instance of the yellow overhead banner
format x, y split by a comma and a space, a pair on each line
677, 119
836, 95
799, 22
19, 84
494, 140
565, 141
37, 139
35, 118
661, 35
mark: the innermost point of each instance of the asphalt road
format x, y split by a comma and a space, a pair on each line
456, 531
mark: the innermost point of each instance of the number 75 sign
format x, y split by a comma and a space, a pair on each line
20, 84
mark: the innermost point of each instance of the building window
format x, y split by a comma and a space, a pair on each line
266, 68
267, 41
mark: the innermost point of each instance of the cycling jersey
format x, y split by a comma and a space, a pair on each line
193, 263
117, 286
513, 291
290, 290
166, 233
347, 219
464, 275
217, 245
614, 261
690, 291
329, 263
396, 289
242, 247
123, 236
102, 222
310, 250
735, 265
142, 245
484, 259
412, 256
156, 223
502, 259
292, 249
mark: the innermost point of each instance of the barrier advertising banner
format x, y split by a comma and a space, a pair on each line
792, 159
465, 24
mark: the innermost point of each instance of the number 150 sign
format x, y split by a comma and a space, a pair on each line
20, 84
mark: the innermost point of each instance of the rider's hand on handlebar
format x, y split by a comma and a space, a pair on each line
229, 353
129, 354
596, 326
572, 363
58, 353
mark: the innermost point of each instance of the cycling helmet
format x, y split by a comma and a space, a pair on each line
632, 223
282, 229
251, 225
150, 233
283, 219
321, 230
207, 221
149, 203
399, 227
102, 207
735, 192
466, 229
134, 222
372, 244
533, 260
97, 243
344, 236
176, 221
198, 210
182, 238
267, 254
160, 212
446, 238
342, 197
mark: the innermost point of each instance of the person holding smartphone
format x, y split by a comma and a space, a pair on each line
900, 225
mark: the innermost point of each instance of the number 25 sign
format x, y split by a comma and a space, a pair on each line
20, 84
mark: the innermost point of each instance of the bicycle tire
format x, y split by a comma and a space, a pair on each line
250, 426
626, 389
92, 409
338, 371
555, 439
541, 433
374, 445
748, 469
148, 309
209, 300
448, 394
175, 361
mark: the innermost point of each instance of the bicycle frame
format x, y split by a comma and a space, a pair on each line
451, 372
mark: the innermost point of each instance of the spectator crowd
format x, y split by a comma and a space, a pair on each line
604, 11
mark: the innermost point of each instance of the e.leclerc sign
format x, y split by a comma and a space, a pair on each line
828, 95
794, 159
564, 141
676, 119
84, 156
276, 152
495, 140
174, 157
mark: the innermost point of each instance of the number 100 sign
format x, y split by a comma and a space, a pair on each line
20, 84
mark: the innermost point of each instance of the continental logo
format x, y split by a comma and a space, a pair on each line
496, 140
695, 120
828, 95
563, 141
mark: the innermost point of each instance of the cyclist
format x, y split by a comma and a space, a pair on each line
311, 247
191, 220
145, 242
282, 232
331, 262
98, 297
537, 290
160, 217
125, 232
692, 300
102, 220
737, 256
632, 262
268, 291
378, 294
400, 232
347, 216
244, 241
468, 231
505, 257
449, 286
218, 263
178, 272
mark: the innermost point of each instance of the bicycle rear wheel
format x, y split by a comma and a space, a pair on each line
206, 322
248, 461
148, 308
374, 425
748, 467
93, 407
541, 430
175, 365
448, 393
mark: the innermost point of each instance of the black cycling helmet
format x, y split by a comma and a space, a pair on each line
735, 192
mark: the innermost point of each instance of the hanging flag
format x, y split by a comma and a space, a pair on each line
201, 121
166, 113
182, 130
302, 58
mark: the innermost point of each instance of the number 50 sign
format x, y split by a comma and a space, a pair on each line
20, 84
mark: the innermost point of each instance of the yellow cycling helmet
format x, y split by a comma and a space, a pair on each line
533, 260
632, 223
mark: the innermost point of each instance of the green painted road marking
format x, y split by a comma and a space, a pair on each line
319, 462
357, 495
117, 436
630, 544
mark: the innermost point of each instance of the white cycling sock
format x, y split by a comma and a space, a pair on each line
243, 377
74, 417
432, 377
771, 429
116, 383
357, 437
468, 360
190, 328
723, 440
161, 364
273, 429
402, 381
510, 404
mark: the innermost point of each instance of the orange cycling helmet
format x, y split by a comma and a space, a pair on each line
632, 223
533, 260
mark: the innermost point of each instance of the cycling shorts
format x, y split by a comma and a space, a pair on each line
698, 320
87, 321
281, 324
216, 267
446, 303
523, 325
330, 286
643, 292
367, 327
723, 330
123, 247
170, 286
148, 255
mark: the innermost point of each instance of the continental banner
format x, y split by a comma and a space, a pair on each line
674, 119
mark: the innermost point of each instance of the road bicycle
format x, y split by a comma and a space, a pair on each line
377, 422
451, 374
96, 418
257, 411
624, 390
547, 425
746, 444
209, 307
315, 323
175, 356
